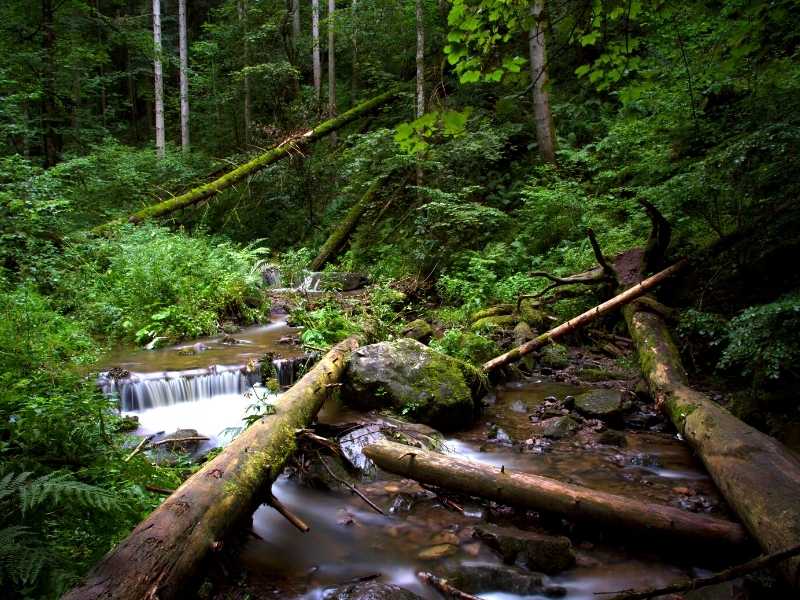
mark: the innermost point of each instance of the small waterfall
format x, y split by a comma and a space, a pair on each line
311, 283
288, 369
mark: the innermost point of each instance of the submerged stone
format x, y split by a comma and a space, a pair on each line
438, 551
600, 404
370, 590
480, 578
539, 552
407, 376
555, 427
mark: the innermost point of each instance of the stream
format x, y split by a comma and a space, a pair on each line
208, 386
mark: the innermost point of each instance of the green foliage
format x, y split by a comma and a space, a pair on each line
415, 137
294, 264
323, 326
762, 341
148, 282
470, 347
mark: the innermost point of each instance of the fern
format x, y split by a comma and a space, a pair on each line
61, 489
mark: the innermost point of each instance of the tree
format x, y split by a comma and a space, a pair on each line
295, 22
50, 118
420, 18
184, 75
315, 52
331, 58
545, 130
158, 79
242, 7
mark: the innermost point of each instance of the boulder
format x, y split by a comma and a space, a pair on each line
554, 356
522, 333
496, 322
419, 330
331, 280
480, 578
534, 316
420, 383
555, 427
492, 311
600, 404
539, 552
370, 590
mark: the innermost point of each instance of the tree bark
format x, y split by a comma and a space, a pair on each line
52, 137
420, 63
332, 62
158, 80
295, 23
317, 66
545, 130
243, 19
163, 554
542, 493
616, 302
339, 236
759, 477
354, 48
282, 150
183, 50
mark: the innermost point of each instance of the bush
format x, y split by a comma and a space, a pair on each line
469, 347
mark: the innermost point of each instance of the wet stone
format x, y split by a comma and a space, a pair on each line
371, 590
612, 437
601, 404
478, 578
555, 427
539, 552
438, 551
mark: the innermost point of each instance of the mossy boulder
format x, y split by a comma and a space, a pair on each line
554, 356
496, 322
522, 333
555, 427
418, 382
492, 311
600, 404
546, 553
418, 329
534, 316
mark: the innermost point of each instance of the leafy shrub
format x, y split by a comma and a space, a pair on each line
469, 347
148, 282
703, 337
323, 326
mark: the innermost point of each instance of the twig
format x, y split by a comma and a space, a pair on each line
319, 440
138, 448
193, 438
692, 584
352, 488
288, 515
444, 587
158, 490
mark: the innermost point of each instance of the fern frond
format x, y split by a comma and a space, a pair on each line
60, 489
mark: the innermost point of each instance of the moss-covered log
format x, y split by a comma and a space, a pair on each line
163, 554
618, 301
542, 493
759, 477
286, 148
341, 233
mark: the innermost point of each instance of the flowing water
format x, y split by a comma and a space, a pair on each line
167, 391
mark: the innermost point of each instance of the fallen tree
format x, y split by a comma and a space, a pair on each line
341, 233
542, 493
165, 550
293, 145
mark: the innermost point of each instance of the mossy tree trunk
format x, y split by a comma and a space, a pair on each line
542, 493
342, 232
163, 554
287, 148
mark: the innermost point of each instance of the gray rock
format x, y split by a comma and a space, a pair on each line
478, 578
422, 384
418, 330
522, 333
330, 280
539, 552
612, 437
600, 404
554, 356
370, 590
555, 427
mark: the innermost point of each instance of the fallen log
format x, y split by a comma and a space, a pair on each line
614, 303
164, 552
542, 493
757, 475
342, 232
286, 148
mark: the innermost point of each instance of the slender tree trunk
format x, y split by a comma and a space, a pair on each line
50, 119
354, 43
158, 80
243, 20
332, 62
420, 100
184, 74
315, 51
545, 130
295, 23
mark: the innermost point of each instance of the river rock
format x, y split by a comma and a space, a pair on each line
539, 552
438, 551
522, 333
555, 427
479, 578
370, 590
497, 322
492, 311
554, 356
530, 312
419, 330
420, 383
600, 404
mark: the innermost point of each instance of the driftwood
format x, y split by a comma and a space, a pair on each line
288, 515
762, 562
138, 448
443, 586
616, 302
341, 233
286, 148
164, 552
542, 493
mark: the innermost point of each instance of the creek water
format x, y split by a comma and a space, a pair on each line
168, 390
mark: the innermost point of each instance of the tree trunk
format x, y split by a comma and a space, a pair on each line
339, 236
287, 148
163, 554
332, 62
184, 74
243, 18
542, 493
420, 101
759, 477
158, 80
315, 49
295, 23
52, 139
545, 130
618, 301
354, 46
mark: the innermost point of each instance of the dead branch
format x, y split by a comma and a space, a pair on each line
444, 587
138, 448
351, 487
287, 514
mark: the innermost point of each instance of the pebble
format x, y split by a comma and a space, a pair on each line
437, 552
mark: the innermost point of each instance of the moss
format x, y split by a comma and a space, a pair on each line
554, 356
496, 322
493, 311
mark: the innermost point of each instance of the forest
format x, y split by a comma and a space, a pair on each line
400, 299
